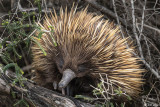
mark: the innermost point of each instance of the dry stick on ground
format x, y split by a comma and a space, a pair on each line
36, 95
141, 30
150, 27
142, 22
135, 31
105, 10
114, 7
20, 8
146, 41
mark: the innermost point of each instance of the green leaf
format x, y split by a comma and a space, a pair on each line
129, 98
0, 46
16, 53
13, 94
53, 40
4, 59
83, 97
8, 66
44, 52
40, 34
111, 104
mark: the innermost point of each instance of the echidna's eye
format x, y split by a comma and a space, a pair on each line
81, 68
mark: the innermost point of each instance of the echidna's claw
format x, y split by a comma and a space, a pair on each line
63, 91
55, 85
69, 90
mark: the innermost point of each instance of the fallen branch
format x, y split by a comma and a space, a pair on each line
105, 10
36, 95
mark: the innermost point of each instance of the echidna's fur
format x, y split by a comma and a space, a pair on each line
88, 45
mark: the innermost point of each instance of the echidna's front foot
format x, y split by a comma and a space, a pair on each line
55, 84
65, 91
69, 90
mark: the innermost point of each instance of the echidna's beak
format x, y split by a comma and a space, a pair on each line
68, 75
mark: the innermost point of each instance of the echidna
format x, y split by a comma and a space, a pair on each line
79, 46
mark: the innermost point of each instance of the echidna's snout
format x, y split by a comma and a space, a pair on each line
68, 75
